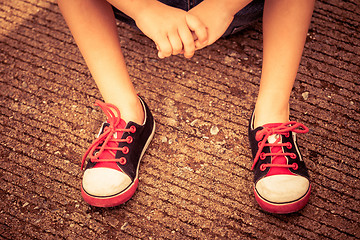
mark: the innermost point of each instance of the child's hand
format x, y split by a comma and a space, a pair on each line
171, 29
215, 19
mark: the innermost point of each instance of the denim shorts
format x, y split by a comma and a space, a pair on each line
245, 17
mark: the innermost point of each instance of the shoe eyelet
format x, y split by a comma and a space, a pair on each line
287, 134
259, 143
262, 156
122, 161
129, 139
262, 167
289, 145
125, 150
295, 166
132, 129
293, 156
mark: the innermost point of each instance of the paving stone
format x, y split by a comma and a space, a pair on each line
195, 178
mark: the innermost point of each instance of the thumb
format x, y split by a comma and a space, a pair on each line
200, 32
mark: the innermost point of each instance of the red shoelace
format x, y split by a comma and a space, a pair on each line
108, 141
282, 129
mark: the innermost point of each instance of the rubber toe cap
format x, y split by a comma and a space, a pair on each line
282, 188
104, 182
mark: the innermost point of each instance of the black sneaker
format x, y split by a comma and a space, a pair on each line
111, 174
281, 181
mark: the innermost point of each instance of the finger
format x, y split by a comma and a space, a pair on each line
164, 47
198, 28
175, 42
194, 36
198, 45
187, 41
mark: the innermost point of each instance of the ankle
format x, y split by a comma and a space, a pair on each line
132, 111
270, 115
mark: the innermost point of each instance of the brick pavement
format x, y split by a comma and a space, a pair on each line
193, 184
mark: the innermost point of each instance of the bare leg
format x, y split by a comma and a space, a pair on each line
285, 25
92, 24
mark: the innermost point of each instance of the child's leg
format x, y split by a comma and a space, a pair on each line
281, 182
111, 174
92, 24
285, 25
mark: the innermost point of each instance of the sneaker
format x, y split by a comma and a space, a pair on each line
281, 181
111, 173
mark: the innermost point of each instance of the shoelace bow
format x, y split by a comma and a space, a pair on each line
101, 143
283, 129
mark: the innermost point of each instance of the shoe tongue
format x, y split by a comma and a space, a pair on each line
121, 125
274, 137
109, 154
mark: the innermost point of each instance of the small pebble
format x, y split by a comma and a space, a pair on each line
114, 222
194, 122
228, 60
214, 130
305, 95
